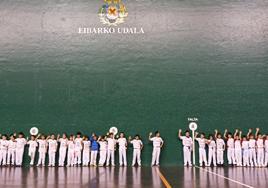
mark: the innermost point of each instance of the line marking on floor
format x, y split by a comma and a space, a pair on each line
162, 177
221, 176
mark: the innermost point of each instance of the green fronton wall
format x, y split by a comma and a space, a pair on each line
205, 59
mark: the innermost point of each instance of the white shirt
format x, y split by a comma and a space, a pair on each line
122, 142
20, 143
245, 145
136, 144
103, 145
201, 142
111, 143
266, 145
237, 144
71, 145
42, 145
186, 141
260, 143
32, 145
230, 143
52, 145
212, 144
220, 144
252, 143
63, 142
86, 144
78, 144
11, 145
157, 141
3, 145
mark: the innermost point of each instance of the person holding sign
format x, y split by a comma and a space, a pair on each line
187, 143
157, 145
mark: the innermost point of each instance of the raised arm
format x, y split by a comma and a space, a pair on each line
150, 136
216, 133
179, 134
257, 132
195, 135
225, 134
236, 132
240, 135
249, 132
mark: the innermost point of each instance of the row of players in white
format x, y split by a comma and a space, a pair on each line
247, 151
77, 150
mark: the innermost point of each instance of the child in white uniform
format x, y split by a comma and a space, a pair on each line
122, 142
245, 150
103, 150
220, 147
238, 148
20, 144
111, 149
52, 149
230, 147
71, 151
252, 148
211, 151
3, 150
187, 143
157, 145
32, 148
86, 151
11, 153
42, 150
266, 151
260, 148
78, 148
63, 148
137, 147
202, 149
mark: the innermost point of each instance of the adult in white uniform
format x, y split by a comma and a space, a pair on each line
86, 151
238, 147
11, 153
32, 148
260, 148
78, 148
111, 149
245, 151
3, 150
220, 147
52, 149
103, 150
42, 150
230, 147
71, 151
252, 148
211, 151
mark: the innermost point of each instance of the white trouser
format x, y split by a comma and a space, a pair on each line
103, 155
62, 156
238, 156
260, 156
86, 157
252, 156
31, 154
266, 158
93, 157
70, 157
136, 157
220, 156
110, 156
156, 155
187, 155
11, 156
245, 157
52, 156
202, 156
77, 159
231, 156
122, 156
19, 156
3, 157
212, 156
42, 158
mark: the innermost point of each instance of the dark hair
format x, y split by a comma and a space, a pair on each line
156, 132
78, 133
137, 135
21, 133
5, 135
187, 131
202, 134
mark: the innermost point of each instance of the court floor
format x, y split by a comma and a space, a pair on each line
74, 177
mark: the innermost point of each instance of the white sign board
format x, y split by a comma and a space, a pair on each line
34, 131
193, 126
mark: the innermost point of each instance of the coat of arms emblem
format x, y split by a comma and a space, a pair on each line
113, 12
